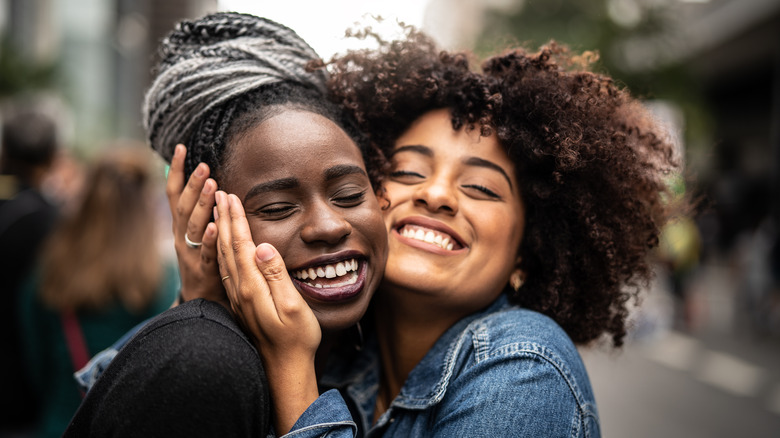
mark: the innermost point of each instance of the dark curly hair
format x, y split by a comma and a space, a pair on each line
590, 161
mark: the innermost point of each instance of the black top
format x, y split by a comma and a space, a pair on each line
190, 372
26, 219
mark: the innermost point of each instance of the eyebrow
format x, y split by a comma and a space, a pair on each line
340, 170
471, 161
270, 186
289, 183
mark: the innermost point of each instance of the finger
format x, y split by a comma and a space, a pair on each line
225, 243
224, 254
244, 249
208, 252
242, 244
175, 182
289, 303
201, 213
187, 201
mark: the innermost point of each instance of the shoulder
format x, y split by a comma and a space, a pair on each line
515, 326
198, 331
187, 366
526, 341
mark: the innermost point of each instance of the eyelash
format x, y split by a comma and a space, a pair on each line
483, 189
352, 198
275, 210
398, 173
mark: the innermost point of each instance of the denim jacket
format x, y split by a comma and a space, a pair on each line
503, 372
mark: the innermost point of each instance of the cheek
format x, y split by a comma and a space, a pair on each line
280, 234
370, 221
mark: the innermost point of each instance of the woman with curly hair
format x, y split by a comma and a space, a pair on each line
521, 202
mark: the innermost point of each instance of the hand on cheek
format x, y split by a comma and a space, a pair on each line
269, 307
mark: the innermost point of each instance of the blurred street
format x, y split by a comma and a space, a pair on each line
716, 380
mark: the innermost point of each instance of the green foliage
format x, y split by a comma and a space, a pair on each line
18, 74
587, 25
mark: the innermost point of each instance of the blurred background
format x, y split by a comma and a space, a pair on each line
703, 359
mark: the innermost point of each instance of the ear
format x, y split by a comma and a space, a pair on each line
381, 196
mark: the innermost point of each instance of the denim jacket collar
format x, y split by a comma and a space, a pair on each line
426, 384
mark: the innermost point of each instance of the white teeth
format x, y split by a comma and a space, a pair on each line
340, 269
429, 236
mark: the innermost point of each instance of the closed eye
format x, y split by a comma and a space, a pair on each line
275, 211
351, 200
405, 175
482, 189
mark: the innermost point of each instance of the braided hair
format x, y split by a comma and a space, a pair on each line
225, 73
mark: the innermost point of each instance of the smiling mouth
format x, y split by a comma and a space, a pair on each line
343, 273
332, 282
430, 236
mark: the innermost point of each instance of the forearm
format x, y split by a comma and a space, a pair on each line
293, 388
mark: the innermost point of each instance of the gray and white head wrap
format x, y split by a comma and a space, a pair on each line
207, 62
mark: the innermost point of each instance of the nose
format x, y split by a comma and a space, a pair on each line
325, 223
438, 195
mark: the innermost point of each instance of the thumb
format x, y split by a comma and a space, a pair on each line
271, 265
290, 306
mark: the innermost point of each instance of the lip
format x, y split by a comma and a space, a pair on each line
334, 294
432, 224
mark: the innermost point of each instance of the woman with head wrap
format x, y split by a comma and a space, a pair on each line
236, 88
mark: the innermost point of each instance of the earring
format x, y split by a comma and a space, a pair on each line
516, 280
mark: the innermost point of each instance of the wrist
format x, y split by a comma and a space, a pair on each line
293, 388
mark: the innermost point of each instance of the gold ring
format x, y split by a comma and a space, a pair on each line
225, 277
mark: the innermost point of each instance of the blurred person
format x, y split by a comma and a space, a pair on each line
756, 297
679, 252
29, 146
100, 275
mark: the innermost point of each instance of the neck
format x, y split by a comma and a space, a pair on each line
406, 330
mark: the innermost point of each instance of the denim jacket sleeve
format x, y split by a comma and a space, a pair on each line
327, 416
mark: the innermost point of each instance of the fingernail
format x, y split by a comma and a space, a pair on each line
219, 196
209, 187
178, 150
216, 214
265, 252
199, 171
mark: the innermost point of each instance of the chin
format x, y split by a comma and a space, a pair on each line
335, 321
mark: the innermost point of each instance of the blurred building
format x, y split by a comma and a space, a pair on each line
728, 49
732, 47
102, 52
